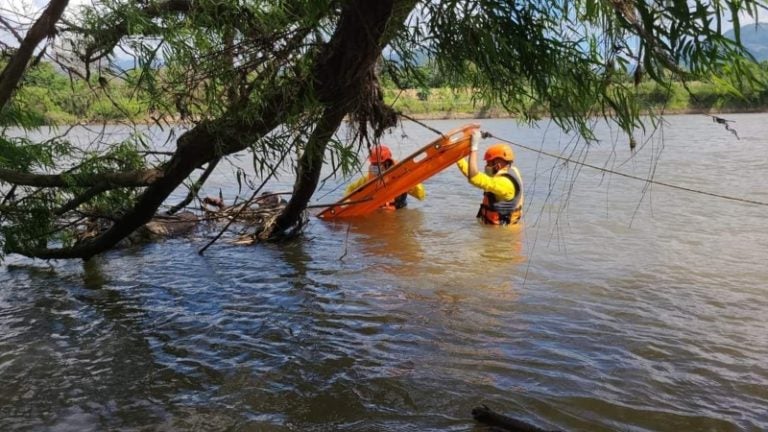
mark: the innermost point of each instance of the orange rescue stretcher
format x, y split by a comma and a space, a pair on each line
401, 177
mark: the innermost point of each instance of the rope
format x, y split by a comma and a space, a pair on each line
421, 124
654, 182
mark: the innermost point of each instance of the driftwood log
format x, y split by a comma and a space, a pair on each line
256, 215
170, 226
487, 416
160, 226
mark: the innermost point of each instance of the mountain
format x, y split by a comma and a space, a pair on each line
755, 39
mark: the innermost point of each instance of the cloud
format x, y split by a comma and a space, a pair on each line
21, 14
762, 16
28, 10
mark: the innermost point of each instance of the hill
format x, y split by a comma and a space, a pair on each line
755, 39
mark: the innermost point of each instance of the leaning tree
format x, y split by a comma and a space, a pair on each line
277, 78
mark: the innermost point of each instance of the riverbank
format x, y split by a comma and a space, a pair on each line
483, 114
445, 103
50, 99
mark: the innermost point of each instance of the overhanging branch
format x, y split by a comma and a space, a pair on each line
43, 27
109, 180
625, 10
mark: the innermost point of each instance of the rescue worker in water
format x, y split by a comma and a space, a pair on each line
380, 161
501, 182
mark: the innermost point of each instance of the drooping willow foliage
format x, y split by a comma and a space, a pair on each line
571, 58
277, 79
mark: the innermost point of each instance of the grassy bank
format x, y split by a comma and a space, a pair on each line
698, 98
49, 97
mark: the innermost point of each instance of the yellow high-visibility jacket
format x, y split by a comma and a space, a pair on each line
499, 185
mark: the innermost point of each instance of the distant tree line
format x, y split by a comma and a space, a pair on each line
49, 96
427, 90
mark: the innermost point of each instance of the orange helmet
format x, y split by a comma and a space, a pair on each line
499, 151
379, 154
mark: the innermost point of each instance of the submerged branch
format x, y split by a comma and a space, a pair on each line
485, 415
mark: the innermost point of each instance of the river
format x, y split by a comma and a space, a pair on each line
618, 306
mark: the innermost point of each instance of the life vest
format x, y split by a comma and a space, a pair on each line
496, 212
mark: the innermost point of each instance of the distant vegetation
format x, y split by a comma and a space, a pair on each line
51, 97
432, 96
677, 99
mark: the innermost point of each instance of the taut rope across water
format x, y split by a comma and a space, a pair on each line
608, 171
618, 173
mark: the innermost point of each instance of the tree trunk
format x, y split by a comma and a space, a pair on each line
310, 165
336, 79
339, 81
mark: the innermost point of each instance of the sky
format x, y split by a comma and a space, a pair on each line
24, 11
29, 9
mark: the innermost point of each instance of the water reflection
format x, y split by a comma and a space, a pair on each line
93, 274
405, 242
390, 234
502, 244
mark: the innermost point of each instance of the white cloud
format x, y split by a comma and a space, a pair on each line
762, 16
28, 10
21, 14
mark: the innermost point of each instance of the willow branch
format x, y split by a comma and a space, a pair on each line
195, 188
82, 198
43, 27
110, 179
626, 11
11, 29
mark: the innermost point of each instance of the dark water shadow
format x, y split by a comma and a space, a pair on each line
80, 353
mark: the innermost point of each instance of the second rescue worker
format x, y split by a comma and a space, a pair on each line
381, 160
501, 182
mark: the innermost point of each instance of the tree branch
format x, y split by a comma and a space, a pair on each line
207, 141
11, 29
625, 10
43, 27
310, 165
109, 180
84, 197
195, 188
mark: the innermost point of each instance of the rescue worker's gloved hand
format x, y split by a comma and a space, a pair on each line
475, 140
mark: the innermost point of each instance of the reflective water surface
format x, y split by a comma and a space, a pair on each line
618, 306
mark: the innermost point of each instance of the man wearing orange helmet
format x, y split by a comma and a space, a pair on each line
380, 161
501, 182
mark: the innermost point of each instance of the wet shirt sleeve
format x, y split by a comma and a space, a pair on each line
418, 192
355, 184
500, 186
